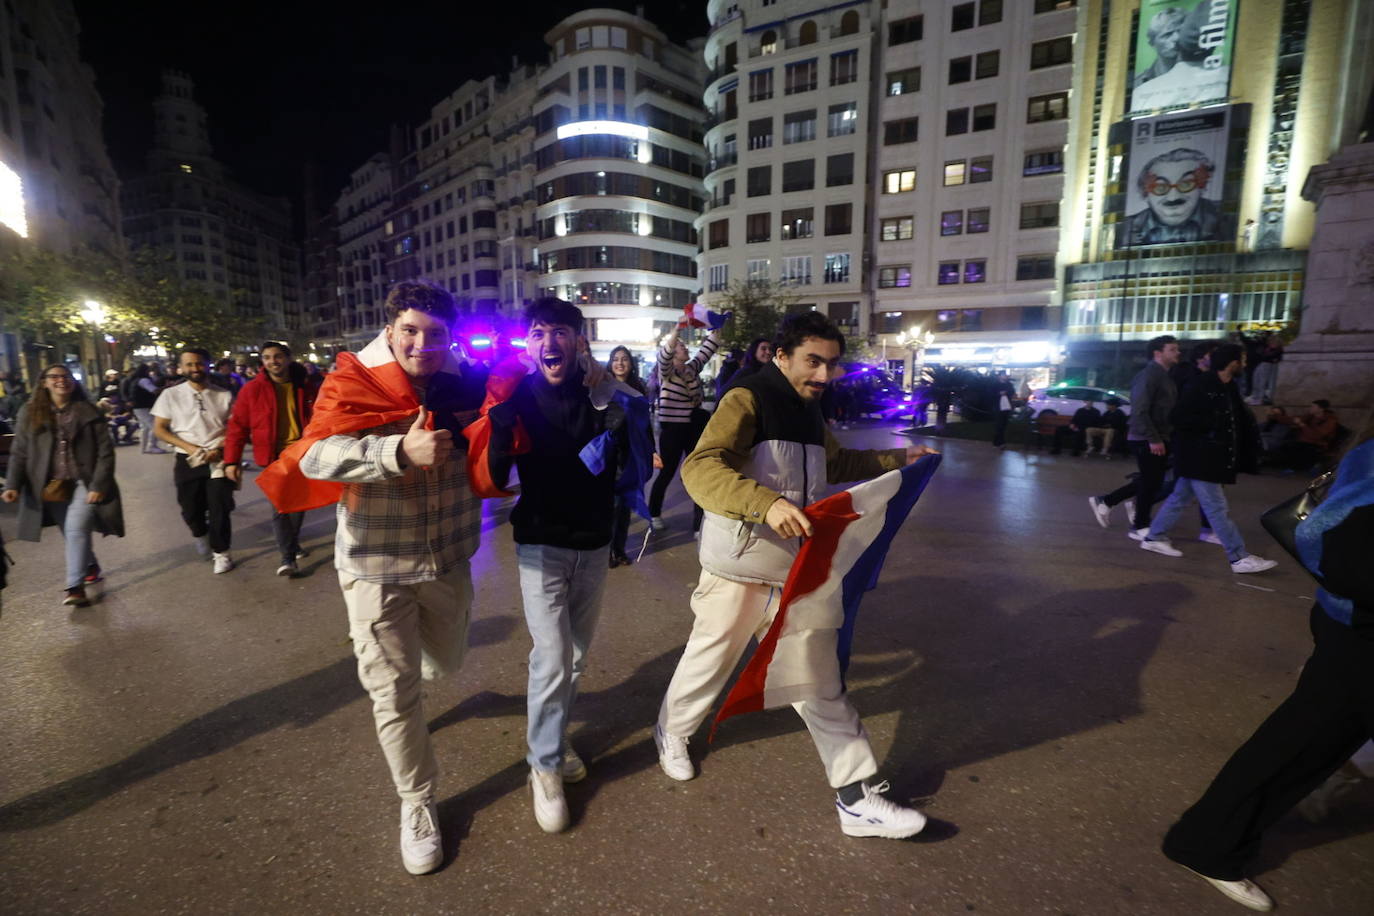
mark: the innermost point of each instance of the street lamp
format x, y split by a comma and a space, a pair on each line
94, 315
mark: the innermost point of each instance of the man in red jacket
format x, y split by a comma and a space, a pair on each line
271, 410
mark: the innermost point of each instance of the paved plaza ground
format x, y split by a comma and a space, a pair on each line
1050, 694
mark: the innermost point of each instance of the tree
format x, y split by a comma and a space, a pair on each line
144, 298
758, 309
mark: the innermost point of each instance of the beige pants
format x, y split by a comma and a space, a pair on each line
1105, 433
398, 633
727, 614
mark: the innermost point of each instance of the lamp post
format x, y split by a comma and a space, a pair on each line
94, 315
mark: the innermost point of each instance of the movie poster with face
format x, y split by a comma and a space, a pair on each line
1174, 181
1182, 53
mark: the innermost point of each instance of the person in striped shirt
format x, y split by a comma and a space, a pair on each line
680, 416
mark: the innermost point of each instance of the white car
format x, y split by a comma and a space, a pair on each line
1066, 399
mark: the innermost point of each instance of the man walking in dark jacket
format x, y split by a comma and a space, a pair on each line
1216, 436
270, 411
1152, 400
562, 527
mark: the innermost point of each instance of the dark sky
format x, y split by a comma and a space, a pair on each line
285, 83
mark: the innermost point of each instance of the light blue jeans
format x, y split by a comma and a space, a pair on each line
1213, 502
562, 590
75, 519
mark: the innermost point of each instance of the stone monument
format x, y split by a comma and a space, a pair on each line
1333, 355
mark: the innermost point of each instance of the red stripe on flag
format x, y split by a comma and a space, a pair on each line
810, 570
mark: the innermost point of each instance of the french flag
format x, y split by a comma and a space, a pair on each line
697, 315
814, 626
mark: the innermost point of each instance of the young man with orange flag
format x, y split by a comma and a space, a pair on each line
382, 438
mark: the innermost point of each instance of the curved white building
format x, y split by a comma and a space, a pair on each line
618, 175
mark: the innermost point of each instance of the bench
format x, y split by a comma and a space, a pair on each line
1046, 426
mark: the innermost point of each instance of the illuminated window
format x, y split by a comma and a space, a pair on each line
899, 181
186, 168
956, 172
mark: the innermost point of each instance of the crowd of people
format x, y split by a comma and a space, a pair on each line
407, 436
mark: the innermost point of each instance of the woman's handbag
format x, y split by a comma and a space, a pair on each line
1282, 521
58, 491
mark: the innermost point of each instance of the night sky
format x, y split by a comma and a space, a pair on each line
288, 83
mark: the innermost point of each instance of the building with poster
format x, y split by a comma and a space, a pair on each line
1193, 124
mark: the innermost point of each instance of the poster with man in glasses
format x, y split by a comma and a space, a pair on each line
1175, 181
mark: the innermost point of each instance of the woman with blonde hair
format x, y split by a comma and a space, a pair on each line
61, 473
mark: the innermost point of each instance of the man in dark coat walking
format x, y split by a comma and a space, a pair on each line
1215, 436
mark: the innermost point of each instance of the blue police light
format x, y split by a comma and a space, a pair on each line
517, 341
481, 341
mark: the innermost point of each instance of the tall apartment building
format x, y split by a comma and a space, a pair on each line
618, 175
790, 139
320, 283
235, 243
442, 223
360, 215
58, 189
1267, 91
897, 164
972, 102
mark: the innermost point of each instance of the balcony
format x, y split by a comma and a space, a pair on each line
721, 161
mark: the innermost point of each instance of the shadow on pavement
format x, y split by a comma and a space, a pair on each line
300, 702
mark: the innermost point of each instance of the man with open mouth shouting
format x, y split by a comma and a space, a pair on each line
562, 524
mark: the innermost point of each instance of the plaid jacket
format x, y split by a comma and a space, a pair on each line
396, 527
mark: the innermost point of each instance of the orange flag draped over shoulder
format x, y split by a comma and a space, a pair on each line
354, 397
501, 384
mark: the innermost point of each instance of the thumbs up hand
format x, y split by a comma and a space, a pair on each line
424, 447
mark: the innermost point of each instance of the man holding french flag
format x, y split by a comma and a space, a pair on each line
766, 453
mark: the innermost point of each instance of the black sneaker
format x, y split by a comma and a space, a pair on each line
92, 574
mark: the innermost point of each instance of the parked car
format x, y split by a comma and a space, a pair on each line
1065, 399
868, 390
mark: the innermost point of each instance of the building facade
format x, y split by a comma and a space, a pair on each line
969, 143
618, 169
58, 189
896, 165
233, 242
790, 96
360, 216
1277, 95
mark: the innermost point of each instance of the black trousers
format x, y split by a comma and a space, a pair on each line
1145, 489
205, 502
1325, 720
620, 525
999, 429
286, 526
675, 442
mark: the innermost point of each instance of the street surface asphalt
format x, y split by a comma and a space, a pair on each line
1049, 693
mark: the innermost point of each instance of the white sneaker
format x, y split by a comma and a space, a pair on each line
1245, 892
422, 847
1130, 511
288, 568
222, 563
574, 770
875, 815
550, 807
1208, 536
657, 523
1101, 511
1252, 564
202, 545
1137, 534
1162, 547
672, 755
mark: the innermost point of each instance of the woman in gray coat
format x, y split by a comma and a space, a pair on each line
61, 473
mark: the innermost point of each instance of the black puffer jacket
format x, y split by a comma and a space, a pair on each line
1215, 434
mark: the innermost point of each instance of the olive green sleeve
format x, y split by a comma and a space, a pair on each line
846, 464
712, 473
